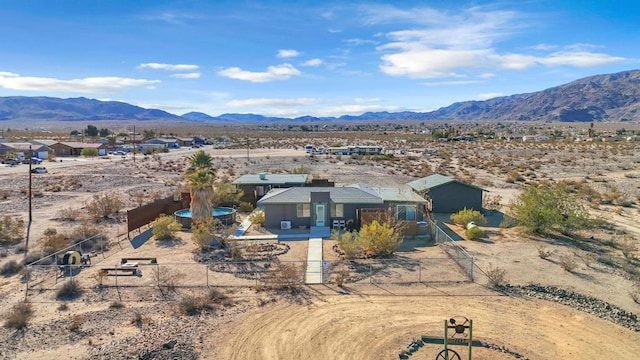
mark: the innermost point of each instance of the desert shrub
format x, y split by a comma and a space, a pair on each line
202, 233
568, 262
474, 233
54, 242
226, 194
89, 152
105, 205
116, 305
11, 231
465, 216
69, 214
635, 294
284, 276
540, 209
373, 240
84, 231
69, 290
257, 217
164, 227
245, 207
33, 256
218, 297
10, 268
193, 305
63, 307
544, 252
137, 319
75, 323
19, 316
496, 276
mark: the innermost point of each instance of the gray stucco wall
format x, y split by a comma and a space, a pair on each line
453, 197
275, 213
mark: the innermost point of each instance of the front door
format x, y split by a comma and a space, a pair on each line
320, 214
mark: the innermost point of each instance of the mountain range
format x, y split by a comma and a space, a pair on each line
609, 97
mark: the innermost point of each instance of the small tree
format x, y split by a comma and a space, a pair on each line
373, 240
102, 206
465, 216
164, 227
226, 194
89, 152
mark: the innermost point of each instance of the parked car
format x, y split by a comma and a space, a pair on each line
34, 160
11, 161
39, 170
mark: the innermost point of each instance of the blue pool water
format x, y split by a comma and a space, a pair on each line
219, 211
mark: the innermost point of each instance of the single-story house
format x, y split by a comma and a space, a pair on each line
447, 195
255, 186
170, 143
75, 148
316, 206
355, 150
185, 141
40, 151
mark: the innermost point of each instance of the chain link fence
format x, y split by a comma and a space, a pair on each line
459, 255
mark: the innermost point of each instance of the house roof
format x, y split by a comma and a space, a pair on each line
271, 179
302, 195
47, 142
79, 145
392, 194
24, 146
436, 180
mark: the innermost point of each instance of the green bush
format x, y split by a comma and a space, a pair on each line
164, 227
475, 233
89, 152
257, 217
465, 216
202, 233
245, 207
373, 240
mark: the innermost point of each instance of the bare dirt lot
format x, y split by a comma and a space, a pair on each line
361, 321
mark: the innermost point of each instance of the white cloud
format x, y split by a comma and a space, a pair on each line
487, 96
285, 54
334, 31
425, 63
85, 85
312, 62
175, 18
278, 72
192, 75
357, 42
169, 67
579, 59
454, 82
8, 74
366, 100
442, 44
273, 102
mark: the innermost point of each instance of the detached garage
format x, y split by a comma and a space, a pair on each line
447, 195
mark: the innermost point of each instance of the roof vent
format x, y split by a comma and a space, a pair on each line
262, 176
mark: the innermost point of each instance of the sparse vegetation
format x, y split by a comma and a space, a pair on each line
19, 316
496, 276
69, 290
10, 268
164, 227
568, 262
465, 216
11, 230
544, 252
474, 233
105, 205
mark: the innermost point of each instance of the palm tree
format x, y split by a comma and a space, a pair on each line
200, 174
200, 185
200, 160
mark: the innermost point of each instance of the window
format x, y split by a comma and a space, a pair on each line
337, 210
304, 210
406, 212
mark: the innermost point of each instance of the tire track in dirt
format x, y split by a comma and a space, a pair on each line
373, 327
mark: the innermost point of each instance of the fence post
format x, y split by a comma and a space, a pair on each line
370, 273
419, 270
206, 271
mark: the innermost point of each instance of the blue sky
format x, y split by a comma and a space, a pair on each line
320, 58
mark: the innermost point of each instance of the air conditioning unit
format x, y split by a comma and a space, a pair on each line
285, 225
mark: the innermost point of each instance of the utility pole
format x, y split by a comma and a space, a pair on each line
26, 245
247, 148
133, 140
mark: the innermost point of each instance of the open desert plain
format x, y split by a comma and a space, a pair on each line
558, 295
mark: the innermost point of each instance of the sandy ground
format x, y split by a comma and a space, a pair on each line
370, 322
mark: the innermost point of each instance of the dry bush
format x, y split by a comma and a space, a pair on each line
19, 316
164, 227
69, 214
202, 233
635, 295
496, 276
138, 320
10, 268
568, 262
116, 305
75, 323
629, 247
105, 205
69, 290
284, 276
544, 252
193, 305
11, 231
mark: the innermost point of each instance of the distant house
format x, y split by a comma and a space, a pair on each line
535, 138
185, 141
25, 149
355, 150
166, 142
447, 195
75, 148
196, 140
255, 186
316, 206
